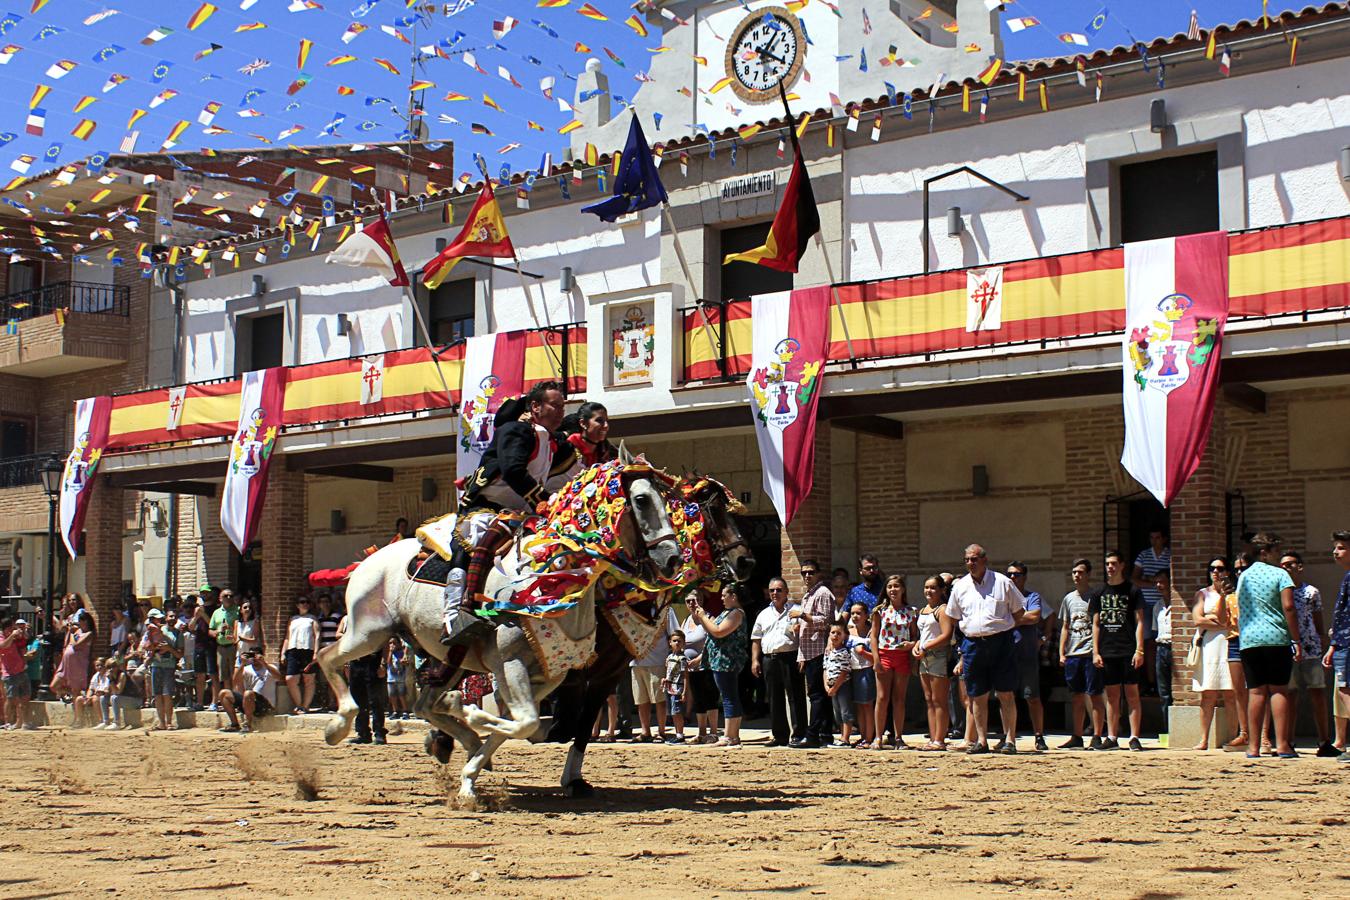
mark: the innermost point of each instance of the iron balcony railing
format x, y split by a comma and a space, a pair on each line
71, 296
21, 471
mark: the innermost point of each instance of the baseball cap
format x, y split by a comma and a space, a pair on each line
155, 613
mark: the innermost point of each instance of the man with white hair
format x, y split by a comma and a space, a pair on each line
987, 606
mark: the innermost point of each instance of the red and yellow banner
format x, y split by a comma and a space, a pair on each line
1277, 271
330, 392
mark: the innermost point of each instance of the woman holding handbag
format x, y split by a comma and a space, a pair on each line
1208, 656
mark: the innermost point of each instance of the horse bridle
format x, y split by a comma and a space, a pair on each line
719, 549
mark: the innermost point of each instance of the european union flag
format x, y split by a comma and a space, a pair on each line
637, 186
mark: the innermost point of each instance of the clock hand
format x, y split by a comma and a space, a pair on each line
764, 51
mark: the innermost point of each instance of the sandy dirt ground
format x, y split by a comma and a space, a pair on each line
86, 813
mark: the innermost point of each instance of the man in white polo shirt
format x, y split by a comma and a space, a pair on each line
987, 606
773, 650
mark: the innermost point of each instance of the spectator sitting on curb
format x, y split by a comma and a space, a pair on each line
253, 681
92, 698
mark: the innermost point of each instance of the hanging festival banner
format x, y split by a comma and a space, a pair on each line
494, 371
984, 299
1176, 304
77, 481
261, 401
634, 345
791, 337
372, 379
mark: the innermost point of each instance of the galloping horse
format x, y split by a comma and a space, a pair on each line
383, 600
711, 544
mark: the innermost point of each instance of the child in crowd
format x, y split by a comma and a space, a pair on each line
92, 698
124, 694
396, 678
838, 670
673, 683
863, 676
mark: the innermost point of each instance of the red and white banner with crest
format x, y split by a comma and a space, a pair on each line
77, 481
262, 398
790, 345
1176, 305
494, 370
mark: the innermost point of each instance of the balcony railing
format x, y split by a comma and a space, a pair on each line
71, 296
21, 471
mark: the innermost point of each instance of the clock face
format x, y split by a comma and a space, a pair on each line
766, 49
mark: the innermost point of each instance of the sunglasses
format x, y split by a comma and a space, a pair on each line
1017, 574
1218, 568
807, 573
972, 559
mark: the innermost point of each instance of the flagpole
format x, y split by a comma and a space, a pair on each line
417, 310
820, 242
689, 279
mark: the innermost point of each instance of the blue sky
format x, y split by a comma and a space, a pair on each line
542, 43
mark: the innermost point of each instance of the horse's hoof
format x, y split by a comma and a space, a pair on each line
579, 788
439, 745
467, 802
335, 731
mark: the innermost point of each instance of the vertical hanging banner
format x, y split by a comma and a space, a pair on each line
261, 402
372, 379
791, 339
77, 481
984, 299
494, 371
1176, 304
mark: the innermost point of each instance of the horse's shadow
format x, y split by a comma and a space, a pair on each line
618, 799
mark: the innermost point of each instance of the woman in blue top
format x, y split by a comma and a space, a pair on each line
726, 653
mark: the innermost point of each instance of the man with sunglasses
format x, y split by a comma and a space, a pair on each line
773, 648
817, 613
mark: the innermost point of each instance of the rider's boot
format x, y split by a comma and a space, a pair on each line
462, 625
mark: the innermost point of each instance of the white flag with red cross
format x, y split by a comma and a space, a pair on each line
984, 299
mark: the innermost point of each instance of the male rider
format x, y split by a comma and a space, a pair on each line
523, 454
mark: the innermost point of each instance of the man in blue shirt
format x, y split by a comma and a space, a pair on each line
872, 588
1029, 654
1338, 654
1270, 642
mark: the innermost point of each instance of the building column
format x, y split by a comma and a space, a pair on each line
103, 521
1198, 520
282, 533
809, 535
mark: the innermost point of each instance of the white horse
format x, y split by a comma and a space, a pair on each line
382, 601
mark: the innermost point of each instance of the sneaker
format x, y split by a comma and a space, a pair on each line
359, 739
245, 730
1041, 745
975, 749
228, 729
1097, 743
379, 739
214, 707
1135, 745
1326, 750
1344, 757
1073, 743
1109, 744
29, 726
100, 726
674, 739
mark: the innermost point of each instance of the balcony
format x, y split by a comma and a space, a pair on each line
22, 471
64, 327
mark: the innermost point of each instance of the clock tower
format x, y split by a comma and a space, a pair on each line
723, 61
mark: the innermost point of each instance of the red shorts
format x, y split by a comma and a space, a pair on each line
895, 660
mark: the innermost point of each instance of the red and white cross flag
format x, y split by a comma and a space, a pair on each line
372, 248
494, 371
177, 398
790, 346
262, 397
1176, 304
372, 379
77, 480
984, 299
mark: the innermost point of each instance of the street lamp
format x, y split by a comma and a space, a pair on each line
954, 225
51, 472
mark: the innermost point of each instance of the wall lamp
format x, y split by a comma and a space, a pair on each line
259, 285
1157, 115
928, 182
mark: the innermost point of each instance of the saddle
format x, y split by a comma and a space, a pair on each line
430, 567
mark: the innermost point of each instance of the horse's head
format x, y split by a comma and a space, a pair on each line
724, 536
652, 537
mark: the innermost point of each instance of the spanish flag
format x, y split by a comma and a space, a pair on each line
204, 12
483, 234
796, 222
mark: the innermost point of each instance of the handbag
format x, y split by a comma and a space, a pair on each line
1193, 655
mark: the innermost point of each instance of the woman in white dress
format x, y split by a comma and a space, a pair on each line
1211, 676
